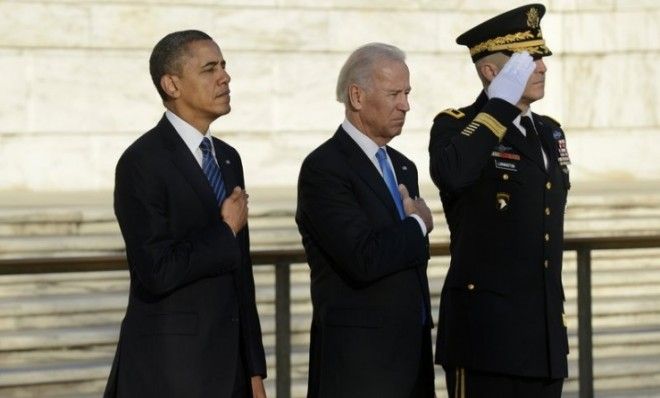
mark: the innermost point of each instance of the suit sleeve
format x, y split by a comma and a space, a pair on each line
459, 149
331, 216
162, 259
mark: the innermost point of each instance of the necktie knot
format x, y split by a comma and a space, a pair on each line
205, 146
526, 122
381, 155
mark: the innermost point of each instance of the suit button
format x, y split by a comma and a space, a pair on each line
470, 286
547, 237
547, 211
505, 176
548, 185
546, 264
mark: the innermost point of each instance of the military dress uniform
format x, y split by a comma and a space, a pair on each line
502, 303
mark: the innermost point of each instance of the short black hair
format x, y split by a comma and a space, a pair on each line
167, 55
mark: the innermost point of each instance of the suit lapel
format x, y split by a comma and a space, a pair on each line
187, 165
548, 142
403, 168
364, 168
227, 166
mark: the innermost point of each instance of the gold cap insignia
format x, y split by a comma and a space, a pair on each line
533, 19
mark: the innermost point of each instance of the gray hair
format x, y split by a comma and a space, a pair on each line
168, 53
498, 59
358, 68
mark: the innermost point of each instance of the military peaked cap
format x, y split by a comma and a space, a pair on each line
513, 31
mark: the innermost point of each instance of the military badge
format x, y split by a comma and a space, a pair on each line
502, 201
533, 18
504, 152
563, 158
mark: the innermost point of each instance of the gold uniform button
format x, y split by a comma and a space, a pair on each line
505, 177
470, 286
548, 185
546, 264
547, 237
547, 211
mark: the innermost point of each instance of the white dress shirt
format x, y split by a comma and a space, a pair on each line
191, 136
369, 147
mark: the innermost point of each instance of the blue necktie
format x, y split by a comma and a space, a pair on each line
212, 170
388, 175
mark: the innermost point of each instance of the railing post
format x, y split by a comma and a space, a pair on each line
283, 329
584, 323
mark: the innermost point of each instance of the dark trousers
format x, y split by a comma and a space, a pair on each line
425, 386
242, 384
467, 383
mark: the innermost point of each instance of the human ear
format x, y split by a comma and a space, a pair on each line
169, 84
489, 71
355, 96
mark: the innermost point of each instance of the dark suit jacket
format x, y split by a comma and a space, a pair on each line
368, 275
501, 308
192, 290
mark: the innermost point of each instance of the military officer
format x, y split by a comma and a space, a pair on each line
503, 176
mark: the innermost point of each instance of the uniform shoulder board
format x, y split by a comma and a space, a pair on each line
455, 113
553, 121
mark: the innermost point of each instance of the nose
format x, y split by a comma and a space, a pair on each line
540, 66
224, 77
404, 105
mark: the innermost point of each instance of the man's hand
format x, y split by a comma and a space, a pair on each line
234, 210
258, 390
416, 206
510, 82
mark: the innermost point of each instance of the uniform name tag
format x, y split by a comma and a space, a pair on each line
504, 165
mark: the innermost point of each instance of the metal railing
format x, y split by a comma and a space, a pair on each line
282, 259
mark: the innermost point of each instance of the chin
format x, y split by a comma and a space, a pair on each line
225, 110
533, 97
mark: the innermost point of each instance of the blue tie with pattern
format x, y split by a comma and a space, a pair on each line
212, 170
388, 175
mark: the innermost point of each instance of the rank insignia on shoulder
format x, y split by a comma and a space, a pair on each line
455, 113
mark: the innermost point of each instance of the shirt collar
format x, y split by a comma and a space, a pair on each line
368, 146
516, 121
190, 135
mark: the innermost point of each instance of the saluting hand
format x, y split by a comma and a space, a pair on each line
234, 210
510, 82
416, 206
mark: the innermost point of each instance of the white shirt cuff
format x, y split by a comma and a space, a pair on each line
420, 222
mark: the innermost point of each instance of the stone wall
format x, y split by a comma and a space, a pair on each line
77, 89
